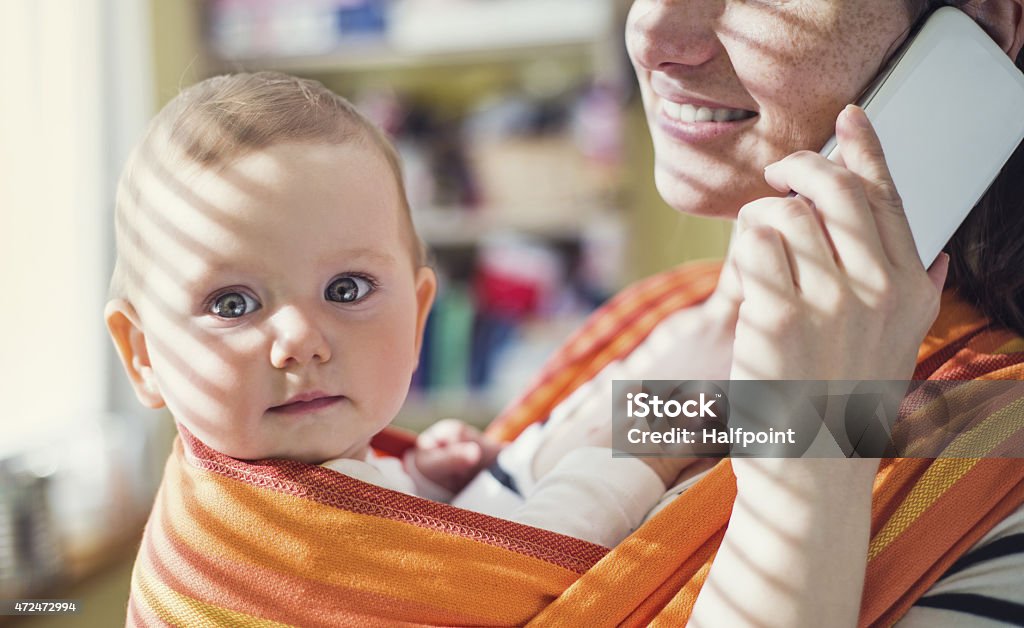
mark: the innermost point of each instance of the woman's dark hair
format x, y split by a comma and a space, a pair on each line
987, 251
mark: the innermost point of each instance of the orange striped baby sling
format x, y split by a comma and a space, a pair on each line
276, 542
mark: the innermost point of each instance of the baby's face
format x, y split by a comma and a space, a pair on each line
282, 308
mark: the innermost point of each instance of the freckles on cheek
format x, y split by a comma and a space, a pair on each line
814, 69
855, 46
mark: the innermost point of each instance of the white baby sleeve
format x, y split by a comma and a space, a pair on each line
379, 470
592, 496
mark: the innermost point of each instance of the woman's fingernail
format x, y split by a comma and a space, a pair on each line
857, 116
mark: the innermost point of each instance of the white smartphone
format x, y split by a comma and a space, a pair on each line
949, 111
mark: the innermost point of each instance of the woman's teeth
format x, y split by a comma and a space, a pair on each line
689, 113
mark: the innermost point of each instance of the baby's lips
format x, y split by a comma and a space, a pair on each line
307, 403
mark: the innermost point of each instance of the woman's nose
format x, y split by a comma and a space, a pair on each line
298, 339
661, 34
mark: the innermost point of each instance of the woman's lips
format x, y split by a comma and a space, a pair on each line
666, 89
303, 407
697, 132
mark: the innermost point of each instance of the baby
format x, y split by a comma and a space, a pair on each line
270, 291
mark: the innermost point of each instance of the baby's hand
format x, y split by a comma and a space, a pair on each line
450, 453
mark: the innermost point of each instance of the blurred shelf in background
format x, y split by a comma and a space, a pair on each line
356, 35
379, 55
440, 227
72, 509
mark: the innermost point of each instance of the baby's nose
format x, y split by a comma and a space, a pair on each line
298, 338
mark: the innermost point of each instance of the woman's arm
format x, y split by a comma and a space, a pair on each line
832, 289
796, 547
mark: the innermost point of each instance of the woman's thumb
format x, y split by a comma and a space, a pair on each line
938, 271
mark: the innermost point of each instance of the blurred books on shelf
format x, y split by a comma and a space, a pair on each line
491, 329
239, 29
396, 31
428, 26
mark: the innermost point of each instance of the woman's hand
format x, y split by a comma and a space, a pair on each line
832, 286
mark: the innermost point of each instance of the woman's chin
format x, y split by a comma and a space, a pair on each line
695, 200
694, 197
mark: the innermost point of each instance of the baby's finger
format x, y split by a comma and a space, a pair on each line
426, 440
862, 153
442, 433
489, 449
466, 454
449, 465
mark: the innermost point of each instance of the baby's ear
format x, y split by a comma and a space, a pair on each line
426, 290
130, 340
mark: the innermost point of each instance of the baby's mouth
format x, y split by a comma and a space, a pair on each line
307, 405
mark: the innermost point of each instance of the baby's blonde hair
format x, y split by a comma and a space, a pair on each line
226, 117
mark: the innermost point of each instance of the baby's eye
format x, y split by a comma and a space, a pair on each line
234, 305
349, 289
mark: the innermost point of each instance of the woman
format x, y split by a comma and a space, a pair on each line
838, 294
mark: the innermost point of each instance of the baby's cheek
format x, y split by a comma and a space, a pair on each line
218, 401
390, 363
201, 377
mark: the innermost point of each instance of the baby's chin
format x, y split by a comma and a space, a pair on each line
275, 448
